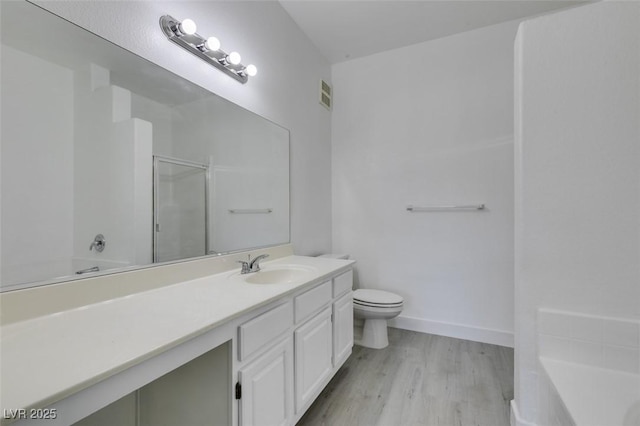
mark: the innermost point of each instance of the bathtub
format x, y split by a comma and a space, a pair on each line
589, 369
591, 395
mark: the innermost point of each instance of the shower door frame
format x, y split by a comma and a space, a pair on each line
157, 159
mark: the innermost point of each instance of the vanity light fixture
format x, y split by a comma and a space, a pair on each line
208, 49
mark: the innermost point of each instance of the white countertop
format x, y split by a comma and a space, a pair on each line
48, 358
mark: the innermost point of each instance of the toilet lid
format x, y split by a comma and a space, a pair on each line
376, 297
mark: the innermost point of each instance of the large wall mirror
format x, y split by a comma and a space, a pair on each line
109, 161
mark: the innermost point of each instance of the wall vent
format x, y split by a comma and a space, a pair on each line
325, 94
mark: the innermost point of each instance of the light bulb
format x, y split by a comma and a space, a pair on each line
188, 27
212, 43
251, 70
234, 58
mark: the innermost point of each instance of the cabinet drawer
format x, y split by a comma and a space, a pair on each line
342, 283
263, 329
311, 301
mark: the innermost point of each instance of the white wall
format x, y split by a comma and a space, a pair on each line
430, 124
284, 91
161, 117
577, 173
37, 194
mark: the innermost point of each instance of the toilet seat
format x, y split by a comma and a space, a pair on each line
377, 298
377, 305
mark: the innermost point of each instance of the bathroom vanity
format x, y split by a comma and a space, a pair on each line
220, 349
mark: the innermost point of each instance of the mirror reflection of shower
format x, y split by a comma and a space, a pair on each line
180, 214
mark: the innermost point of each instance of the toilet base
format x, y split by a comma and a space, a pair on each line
374, 334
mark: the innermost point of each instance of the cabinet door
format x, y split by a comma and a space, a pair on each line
342, 328
267, 388
313, 342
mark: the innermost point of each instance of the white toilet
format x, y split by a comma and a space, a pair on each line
374, 307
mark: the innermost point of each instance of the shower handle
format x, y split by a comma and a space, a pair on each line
98, 243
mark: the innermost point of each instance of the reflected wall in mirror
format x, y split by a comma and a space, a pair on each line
96, 140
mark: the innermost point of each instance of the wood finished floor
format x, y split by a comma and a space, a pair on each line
419, 379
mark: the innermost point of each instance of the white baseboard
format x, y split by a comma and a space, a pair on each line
516, 420
459, 331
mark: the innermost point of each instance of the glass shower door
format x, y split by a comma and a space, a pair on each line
180, 209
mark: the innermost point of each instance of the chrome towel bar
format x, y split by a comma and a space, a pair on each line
250, 211
441, 208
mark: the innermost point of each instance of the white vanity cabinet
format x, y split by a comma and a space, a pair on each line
266, 394
265, 378
314, 365
313, 340
342, 317
342, 328
282, 372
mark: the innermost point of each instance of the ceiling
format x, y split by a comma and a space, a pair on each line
348, 29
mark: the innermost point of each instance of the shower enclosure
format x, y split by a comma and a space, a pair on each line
180, 209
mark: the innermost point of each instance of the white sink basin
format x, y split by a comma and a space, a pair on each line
282, 274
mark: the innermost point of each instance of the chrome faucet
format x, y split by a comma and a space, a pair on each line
254, 265
251, 265
245, 266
